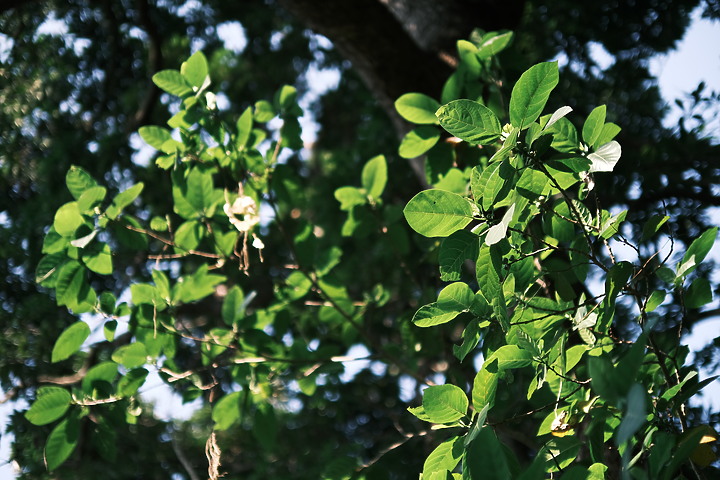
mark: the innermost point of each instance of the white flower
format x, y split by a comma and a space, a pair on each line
245, 207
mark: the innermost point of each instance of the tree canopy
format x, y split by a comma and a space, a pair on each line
490, 230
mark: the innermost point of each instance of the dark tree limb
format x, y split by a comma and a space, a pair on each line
380, 50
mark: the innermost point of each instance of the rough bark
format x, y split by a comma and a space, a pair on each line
380, 50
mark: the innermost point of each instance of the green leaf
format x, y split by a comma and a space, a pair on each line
565, 136
232, 307
611, 227
98, 377
593, 126
433, 314
444, 458
493, 44
485, 458
699, 293
609, 132
90, 198
195, 69
73, 290
188, 236
485, 386
173, 82
509, 357
487, 271
68, 219
454, 251
47, 269
244, 128
264, 111
417, 108
226, 411
437, 213
51, 403
698, 250
70, 341
144, 294
652, 226
78, 180
162, 284
265, 426
197, 286
634, 416
131, 355
155, 136
605, 157
199, 189
61, 442
98, 259
131, 382
493, 184
349, 197
123, 199
656, 299
470, 121
531, 93
374, 176
452, 300
418, 141
444, 403
602, 377
532, 183
286, 97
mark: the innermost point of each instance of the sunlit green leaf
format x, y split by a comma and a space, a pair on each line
51, 403
195, 69
444, 403
531, 92
226, 411
485, 386
493, 44
437, 213
70, 341
131, 382
173, 82
417, 108
593, 126
374, 176
418, 141
131, 355
61, 442
78, 181
98, 259
68, 219
469, 121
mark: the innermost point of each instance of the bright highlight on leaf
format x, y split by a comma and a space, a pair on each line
605, 157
